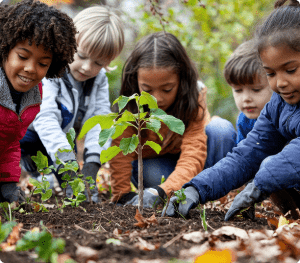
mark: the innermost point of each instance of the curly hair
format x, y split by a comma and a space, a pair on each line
281, 27
36, 22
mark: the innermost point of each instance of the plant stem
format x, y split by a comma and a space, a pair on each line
9, 212
140, 166
89, 192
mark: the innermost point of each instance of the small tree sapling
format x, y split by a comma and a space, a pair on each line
114, 124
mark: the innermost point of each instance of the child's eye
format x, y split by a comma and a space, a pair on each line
81, 57
167, 90
237, 90
43, 65
256, 90
270, 74
21, 57
98, 64
291, 71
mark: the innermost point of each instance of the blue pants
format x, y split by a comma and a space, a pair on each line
30, 145
221, 138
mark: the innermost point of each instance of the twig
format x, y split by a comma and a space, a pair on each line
81, 228
167, 204
173, 240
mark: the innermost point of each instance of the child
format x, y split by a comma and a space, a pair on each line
77, 96
36, 41
160, 66
250, 87
270, 153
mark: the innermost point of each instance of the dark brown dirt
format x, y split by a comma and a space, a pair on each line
93, 227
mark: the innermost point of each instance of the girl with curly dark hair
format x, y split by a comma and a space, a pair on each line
36, 41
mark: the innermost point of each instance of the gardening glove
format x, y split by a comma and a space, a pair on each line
192, 199
69, 191
125, 198
10, 192
152, 197
247, 198
91, 169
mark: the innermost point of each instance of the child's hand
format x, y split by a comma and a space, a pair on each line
247, 198
151, 197
12, 193
192, 199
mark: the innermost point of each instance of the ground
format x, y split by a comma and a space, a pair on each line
108, 233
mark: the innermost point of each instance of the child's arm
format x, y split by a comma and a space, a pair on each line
100, 97
48, 122
243, 126
239, 166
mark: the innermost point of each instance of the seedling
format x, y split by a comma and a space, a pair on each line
181, 197
46, 247
114, 124
202, 216
5, 229
7, 210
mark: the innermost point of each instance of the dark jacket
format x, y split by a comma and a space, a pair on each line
243, 125
275, 135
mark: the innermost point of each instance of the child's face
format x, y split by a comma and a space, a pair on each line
282, 66
85, 67
162, 83
250, 99
26, 65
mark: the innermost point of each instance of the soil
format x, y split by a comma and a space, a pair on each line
93, 227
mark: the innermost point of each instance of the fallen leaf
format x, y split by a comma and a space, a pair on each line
84, 254
272, 222
282, 221
144, 222
224, 256
12, 239
62, 258
117, 232
144, 245
229, 231
196, 236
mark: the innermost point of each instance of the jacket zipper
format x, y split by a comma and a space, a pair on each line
19, 116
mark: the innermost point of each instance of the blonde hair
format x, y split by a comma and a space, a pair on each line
100, 32
244, 67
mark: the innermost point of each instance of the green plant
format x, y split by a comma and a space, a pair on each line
181, 197
7, 210
114, 124
202, 216
46, 247
163, 179
5, 229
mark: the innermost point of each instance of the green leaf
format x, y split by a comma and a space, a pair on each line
73, 166
123, 100
38, 191
66, 177
156, 147
46, 171
77, 186
128, 145
148, 99
153, 125
40, 160
46, 195
126, 116
64, 185
45, 184
65, 150
71, 137
105, 121
5, 229
120, 128
35, 183
88, 178
105, 135
80, 175
92, 187
108, 154
173, 123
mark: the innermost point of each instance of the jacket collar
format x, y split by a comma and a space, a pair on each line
30, 97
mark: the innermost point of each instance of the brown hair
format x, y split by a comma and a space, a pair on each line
243, 66
163, 50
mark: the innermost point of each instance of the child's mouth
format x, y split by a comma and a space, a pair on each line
287, 95
26, 80
250, 109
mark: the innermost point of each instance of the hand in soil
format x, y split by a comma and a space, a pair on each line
150, 198
192, 199
247, 198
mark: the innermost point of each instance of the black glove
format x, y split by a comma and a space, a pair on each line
10, 192
126, 197
191, 200
91, 169
247, 198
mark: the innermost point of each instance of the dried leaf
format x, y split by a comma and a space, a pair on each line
229, 231
224, 256
272, 222
196, 237
144, 222
282, 221
85, 254
117, 232
144, 245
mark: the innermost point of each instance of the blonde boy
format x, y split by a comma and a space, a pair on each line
250, 87
79, 95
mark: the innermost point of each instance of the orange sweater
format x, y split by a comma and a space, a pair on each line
191, 146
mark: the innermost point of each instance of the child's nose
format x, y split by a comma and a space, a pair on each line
87, 66
30, 67
281, 82
247, 96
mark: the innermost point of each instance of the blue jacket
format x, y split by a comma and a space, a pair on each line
275, 135
243, 125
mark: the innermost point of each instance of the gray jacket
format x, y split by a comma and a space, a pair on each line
58, 111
